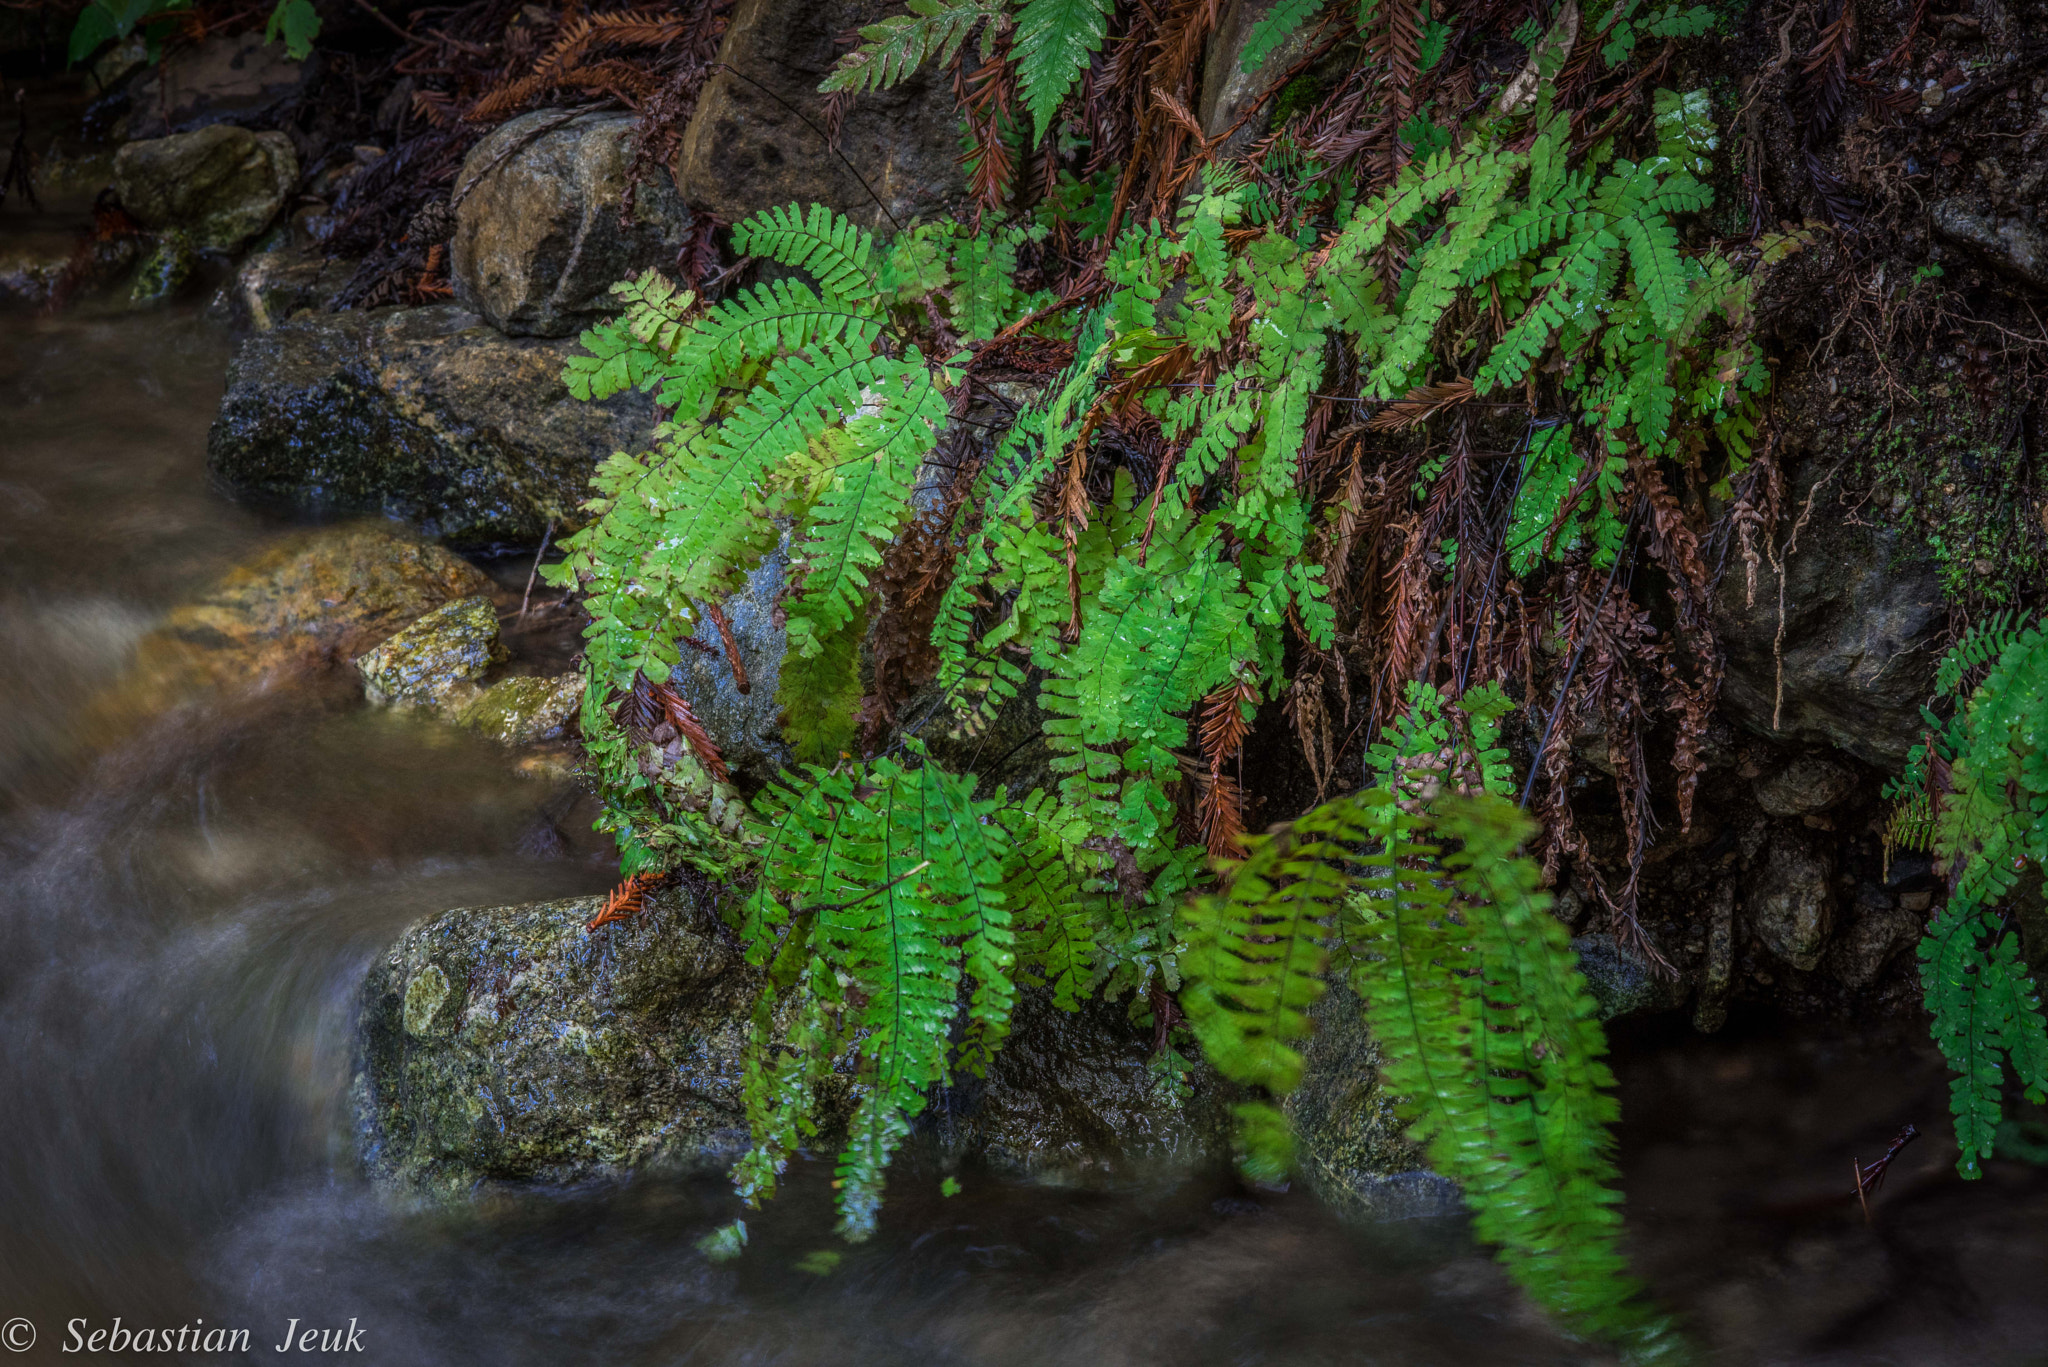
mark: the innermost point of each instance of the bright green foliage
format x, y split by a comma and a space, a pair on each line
1415, 891
1588, 266
1055, 39
1991, 824
898, 909
1470, 986
297, 23
1624, 29
897, 879
933, 30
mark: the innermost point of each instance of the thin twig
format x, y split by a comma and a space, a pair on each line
531, 574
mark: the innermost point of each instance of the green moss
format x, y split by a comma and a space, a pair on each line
1949, 470
165, 270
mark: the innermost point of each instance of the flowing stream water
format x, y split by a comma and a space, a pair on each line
189, 908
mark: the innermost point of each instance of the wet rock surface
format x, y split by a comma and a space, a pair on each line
749, 147
221, 184
538, 242
313, 598
1078, 1092
510, 1044
1792, 899
428, 415
525, 709
274, 285
1622, 981
432, 662
1349, 1142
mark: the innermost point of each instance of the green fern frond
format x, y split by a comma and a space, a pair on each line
832, 249
892, 50
1984, 642
1054, 40
1274, 28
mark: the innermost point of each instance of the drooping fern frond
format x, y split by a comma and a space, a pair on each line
1471, 990
1415, 891
1054, 40
933, 31
901, 878
1988, 815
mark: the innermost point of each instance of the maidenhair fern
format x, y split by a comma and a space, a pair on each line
1147, 597
1976, 793
1415, 892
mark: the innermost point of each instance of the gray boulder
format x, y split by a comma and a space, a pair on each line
538, 242
221, 184
427, 415
220, 79
756, 144
511, 1044
1863, 612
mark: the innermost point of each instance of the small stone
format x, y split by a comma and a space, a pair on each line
524, 710
429, 663
221, 184
1792, 900
1805, 786
165, 270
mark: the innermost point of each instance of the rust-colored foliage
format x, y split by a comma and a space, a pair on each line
1219, 805
625, 901
648, 706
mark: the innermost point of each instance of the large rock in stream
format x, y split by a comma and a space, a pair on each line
513, 1045
310, 599
221, 185
428, 415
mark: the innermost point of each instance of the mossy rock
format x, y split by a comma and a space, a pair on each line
513, 1045
310, 598
525, 709
433, 662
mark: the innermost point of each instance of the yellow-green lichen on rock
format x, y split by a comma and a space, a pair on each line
434, 662
524, 709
